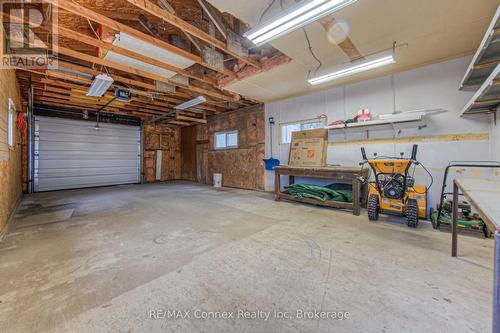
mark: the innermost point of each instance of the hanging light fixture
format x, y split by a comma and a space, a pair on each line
100, 85
351, 70
293, 18
191, 103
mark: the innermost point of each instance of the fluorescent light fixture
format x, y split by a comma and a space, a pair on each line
293, 18
101, 84
362, 67
191, 103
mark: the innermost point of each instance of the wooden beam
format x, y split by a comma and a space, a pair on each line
182, 123
215, 17
43, 77
164, 4
139, 72
151, 87
82, 11
89, 101
61, 101
164, 15
146, 96
68, 33
186, 118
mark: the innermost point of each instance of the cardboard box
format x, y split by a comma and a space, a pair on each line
309, 148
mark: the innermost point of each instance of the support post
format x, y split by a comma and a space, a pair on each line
277, 185
496, 285
356, 188
454, 230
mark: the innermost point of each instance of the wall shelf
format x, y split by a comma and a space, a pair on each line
397, 118
487, 98
486, 58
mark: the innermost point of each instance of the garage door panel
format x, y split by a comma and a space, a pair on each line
69, 146
84, 155
50, 184
76, 163
85, 137
72, 154
70, 126
75, 172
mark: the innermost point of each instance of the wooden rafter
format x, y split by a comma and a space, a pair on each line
164, 15
96, 60
66, 85
80, 10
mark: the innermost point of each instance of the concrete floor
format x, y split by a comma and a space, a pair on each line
108, 259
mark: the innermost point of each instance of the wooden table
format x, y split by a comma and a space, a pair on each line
343, 174
484, 196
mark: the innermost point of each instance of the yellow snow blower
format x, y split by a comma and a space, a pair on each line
394, 191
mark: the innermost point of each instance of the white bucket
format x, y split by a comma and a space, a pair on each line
217, 179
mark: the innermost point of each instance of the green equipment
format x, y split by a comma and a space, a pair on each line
468, 222
333, 192
441, 218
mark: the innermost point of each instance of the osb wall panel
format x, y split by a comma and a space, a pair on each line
10, 161
188, 142
168, 140
202, 163
242, 167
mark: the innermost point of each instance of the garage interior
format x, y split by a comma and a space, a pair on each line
250, 166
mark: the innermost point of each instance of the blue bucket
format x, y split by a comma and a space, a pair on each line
271, 163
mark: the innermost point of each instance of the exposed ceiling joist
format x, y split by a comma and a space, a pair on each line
171, 10
159, 12
110, 47
80, 10
139, 72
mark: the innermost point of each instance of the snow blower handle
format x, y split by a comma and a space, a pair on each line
414, 153
363, 153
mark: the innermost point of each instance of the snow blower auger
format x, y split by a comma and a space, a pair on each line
393, 190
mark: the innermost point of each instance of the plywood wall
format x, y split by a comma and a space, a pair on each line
10, 159
168, 140
240, 167
188, 141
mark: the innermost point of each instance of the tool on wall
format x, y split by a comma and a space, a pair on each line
21, 123
394, 190
271, 163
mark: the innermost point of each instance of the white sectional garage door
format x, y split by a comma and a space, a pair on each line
72, 154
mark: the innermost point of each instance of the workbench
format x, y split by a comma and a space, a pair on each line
341, 174
484, 196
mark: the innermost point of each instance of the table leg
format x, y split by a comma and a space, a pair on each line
454, 227
496, 285
356, 188
277, 186
291, 180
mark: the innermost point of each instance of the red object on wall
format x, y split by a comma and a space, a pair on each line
21, 123
363, 115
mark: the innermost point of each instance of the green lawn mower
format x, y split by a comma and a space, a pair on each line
468, 222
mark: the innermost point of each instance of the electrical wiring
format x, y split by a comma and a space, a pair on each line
427, 188
309, 46
312, 53
266, 10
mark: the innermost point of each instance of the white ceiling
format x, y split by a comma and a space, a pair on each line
434, 30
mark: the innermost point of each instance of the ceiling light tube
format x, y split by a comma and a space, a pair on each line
100, 85
191, 103
365, 66
293, 18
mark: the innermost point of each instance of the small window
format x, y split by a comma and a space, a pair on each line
225, 140
288, 129
10, 124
